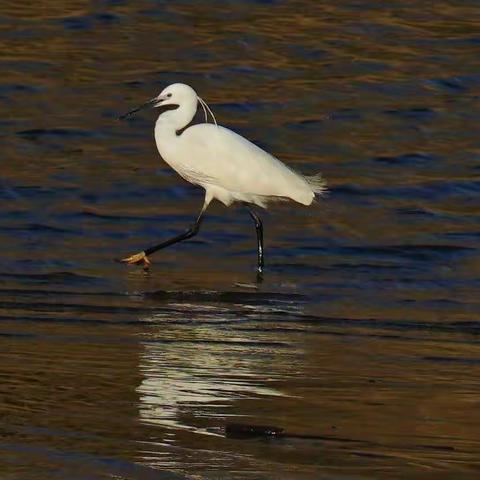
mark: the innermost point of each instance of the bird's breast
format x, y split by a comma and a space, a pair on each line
180, 157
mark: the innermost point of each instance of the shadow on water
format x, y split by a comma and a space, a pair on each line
361, 343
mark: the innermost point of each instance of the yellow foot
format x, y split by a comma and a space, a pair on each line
137, 259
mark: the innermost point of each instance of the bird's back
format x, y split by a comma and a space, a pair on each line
216, 157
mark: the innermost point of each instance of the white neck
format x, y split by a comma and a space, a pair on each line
178, 118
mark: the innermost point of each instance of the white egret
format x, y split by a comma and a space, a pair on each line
229, 167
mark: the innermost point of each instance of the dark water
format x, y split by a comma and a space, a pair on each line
366, 329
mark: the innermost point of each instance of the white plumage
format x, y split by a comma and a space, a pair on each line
228, 166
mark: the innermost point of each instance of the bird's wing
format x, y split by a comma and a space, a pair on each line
220, 157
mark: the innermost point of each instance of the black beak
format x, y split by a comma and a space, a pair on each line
150, 104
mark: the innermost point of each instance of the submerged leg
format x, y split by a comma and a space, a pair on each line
259, 229
142, 257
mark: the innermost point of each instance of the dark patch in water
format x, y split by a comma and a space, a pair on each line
76, 23
71, 307
62, 277
87, 22
307, 123
414, 252
345, 114
32, 192
106, 216
462, 235
415, 212
38, 227
428, 191
242, 107
408, 158
8, 193
17, 335
309, 53
367, 267
18, 88
419, 113
35, 133
459, 360
348, 189
452, 84
107, 17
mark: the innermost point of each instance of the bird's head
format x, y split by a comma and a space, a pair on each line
171, 97
175, 94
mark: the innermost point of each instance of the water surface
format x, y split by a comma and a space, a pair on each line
365, 330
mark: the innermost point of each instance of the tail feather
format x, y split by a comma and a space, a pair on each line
317, 184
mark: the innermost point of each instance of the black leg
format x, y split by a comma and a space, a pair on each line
142, 257
259, 229
191, 232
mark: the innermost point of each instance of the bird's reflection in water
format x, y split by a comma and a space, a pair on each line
200, 357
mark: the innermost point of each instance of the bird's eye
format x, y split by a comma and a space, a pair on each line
169, 95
